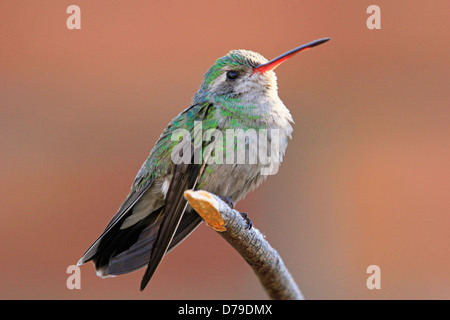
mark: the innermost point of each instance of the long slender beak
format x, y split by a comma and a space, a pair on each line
272, 64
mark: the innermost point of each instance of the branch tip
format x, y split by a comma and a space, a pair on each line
207, 207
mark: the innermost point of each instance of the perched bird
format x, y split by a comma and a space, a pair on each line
239, 91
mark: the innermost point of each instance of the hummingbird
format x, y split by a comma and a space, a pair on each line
239, 91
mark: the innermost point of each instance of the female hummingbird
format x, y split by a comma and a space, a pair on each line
239, 92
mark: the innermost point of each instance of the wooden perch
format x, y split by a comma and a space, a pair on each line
249, 242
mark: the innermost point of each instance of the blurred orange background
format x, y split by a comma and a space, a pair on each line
365, 179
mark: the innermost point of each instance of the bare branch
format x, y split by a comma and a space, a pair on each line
249, 242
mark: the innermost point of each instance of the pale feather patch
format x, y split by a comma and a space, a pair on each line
165, 187
101, 273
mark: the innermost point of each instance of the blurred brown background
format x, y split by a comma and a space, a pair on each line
365, 180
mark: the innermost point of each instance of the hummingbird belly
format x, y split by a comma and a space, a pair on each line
233, 181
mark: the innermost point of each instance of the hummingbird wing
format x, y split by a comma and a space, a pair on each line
184, 178
124, 249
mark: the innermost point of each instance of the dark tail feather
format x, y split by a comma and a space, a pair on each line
127, 250
184, 177
117, 241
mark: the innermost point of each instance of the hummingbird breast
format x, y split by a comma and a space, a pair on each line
254, 140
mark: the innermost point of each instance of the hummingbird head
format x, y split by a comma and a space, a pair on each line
245, 75
231, 75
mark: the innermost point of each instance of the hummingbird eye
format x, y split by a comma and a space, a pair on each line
231, 75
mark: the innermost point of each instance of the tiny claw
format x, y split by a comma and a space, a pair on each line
228, 201
247, 219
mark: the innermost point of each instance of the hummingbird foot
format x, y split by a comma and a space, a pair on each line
247, 219
228, 201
